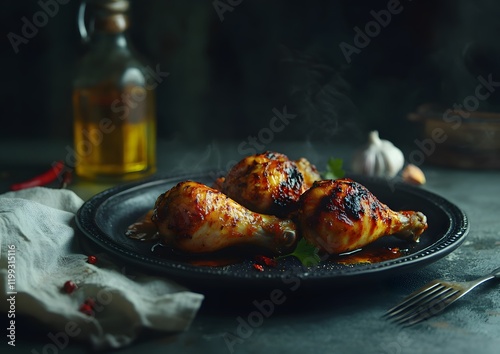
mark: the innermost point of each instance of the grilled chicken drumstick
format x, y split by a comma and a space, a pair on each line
342, 215
269, 183
195, 218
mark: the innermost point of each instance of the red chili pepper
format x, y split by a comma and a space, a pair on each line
90, 302
41, 180
88, 306
86, 309
258, 267
66, 178
270, 262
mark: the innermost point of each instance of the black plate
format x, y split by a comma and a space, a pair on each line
104, 219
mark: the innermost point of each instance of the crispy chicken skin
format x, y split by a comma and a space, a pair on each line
309, 171
195, 218
269, 183
342, 215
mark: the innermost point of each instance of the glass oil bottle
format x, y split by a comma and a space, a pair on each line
113, 101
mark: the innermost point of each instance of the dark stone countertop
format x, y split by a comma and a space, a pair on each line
344, 319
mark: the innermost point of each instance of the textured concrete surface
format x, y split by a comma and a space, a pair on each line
339, 319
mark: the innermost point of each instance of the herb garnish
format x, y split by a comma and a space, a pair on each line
334, 169
306, 253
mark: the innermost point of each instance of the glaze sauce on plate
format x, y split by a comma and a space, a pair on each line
144, 230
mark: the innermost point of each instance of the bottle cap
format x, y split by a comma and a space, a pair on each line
111, 15
117, 6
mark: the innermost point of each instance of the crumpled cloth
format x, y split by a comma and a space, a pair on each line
40, 252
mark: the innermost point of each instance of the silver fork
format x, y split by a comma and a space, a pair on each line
432, 299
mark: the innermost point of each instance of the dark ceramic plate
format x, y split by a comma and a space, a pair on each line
104, 220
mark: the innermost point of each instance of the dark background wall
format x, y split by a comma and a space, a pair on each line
227, 75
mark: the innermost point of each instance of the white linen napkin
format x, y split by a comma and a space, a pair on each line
39, 253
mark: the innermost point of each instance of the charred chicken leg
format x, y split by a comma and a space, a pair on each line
342, 215
269, 183
195, 218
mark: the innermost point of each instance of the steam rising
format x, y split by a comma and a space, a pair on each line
320, 96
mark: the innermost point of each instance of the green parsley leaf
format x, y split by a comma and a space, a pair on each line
306, 253
334, 169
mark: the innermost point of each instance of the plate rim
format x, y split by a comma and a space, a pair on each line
459, 223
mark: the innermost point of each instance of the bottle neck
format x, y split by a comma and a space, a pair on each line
108, 40
109, 30
111, 22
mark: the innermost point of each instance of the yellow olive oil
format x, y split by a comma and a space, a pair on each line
114, 132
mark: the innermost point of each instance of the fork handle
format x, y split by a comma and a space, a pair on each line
496, 273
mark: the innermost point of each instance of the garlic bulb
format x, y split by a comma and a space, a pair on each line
378, 158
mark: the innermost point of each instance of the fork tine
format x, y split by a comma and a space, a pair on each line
432, 299
427, 312
422, 302
430, 308
413, 298
423, 306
